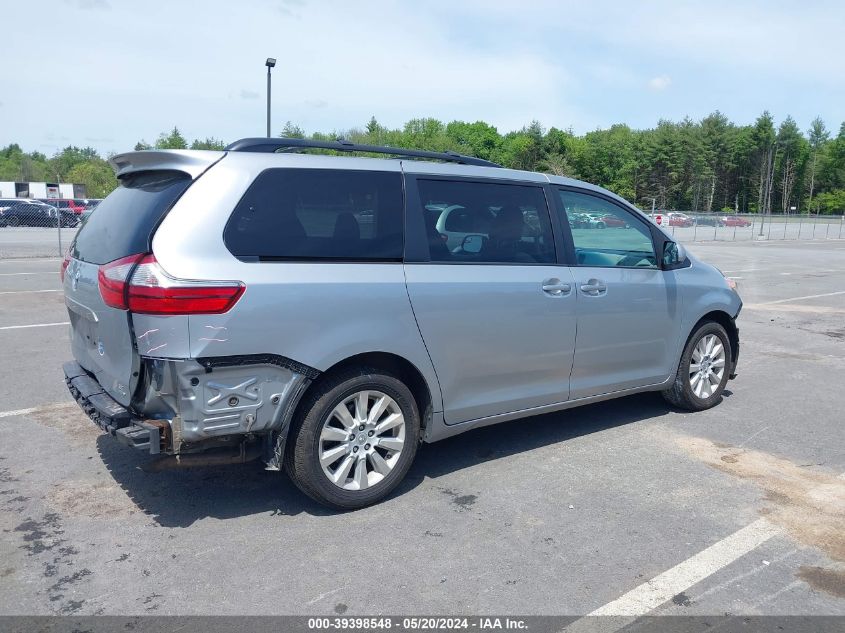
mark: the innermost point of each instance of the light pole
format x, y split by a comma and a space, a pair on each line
59, 214
270, 63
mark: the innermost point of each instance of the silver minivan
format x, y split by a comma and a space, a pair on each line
327, 313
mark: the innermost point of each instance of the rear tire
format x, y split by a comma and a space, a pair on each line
327, 446
703, 370
13, 221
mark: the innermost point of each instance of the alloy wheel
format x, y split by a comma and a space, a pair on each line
707, 366
361, 440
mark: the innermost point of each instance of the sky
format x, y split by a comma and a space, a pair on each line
108, 73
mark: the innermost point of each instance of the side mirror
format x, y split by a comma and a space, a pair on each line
472, 244
672, 257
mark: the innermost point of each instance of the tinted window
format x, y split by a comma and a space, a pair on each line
290, 214
486, 222
605, 234
125, 220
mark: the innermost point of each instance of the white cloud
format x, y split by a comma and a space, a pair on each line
659, 83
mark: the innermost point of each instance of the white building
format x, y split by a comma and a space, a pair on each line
41, 190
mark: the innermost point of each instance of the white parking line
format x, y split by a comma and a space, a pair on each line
826, 294
46, 407
23, 292
660, 589
21, 327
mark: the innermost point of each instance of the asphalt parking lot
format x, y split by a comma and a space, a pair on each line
620, 507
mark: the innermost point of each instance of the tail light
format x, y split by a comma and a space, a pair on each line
65, 264
137, 283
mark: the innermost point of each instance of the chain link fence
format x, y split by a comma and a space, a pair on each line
709, 227
35, 228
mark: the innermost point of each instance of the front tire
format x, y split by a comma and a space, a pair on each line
703, 371
353, 439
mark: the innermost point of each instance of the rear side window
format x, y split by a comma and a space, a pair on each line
486, 222
319, 214
124, 222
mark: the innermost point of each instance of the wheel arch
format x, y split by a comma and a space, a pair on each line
390, 363
726, 321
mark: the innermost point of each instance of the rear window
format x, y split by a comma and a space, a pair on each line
319, 214
124, 222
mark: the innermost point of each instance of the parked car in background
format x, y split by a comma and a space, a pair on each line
679, 219
86, 203
611, 221
595, 220
24, 212
65, 203
733, 220
708, 220
578, 220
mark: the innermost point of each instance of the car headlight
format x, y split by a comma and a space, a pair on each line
731, 282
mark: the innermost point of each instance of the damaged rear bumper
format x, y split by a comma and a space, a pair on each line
190, 406
111, 416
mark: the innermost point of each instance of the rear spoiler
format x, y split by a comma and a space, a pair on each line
192, 162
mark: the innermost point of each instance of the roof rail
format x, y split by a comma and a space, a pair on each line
271, 145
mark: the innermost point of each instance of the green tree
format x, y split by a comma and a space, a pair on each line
818, 136
792, 156
476, 139
291, 130
67, 159
764, 138
209, 143
831, 201
17, 165
832, 163
426, 133
716, 132
171, 140
97, 176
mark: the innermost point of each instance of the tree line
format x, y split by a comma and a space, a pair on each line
707, 165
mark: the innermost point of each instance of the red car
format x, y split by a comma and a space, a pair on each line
65, 203
614, 221
732, 220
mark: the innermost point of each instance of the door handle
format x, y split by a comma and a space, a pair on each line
594, 288
556, 288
